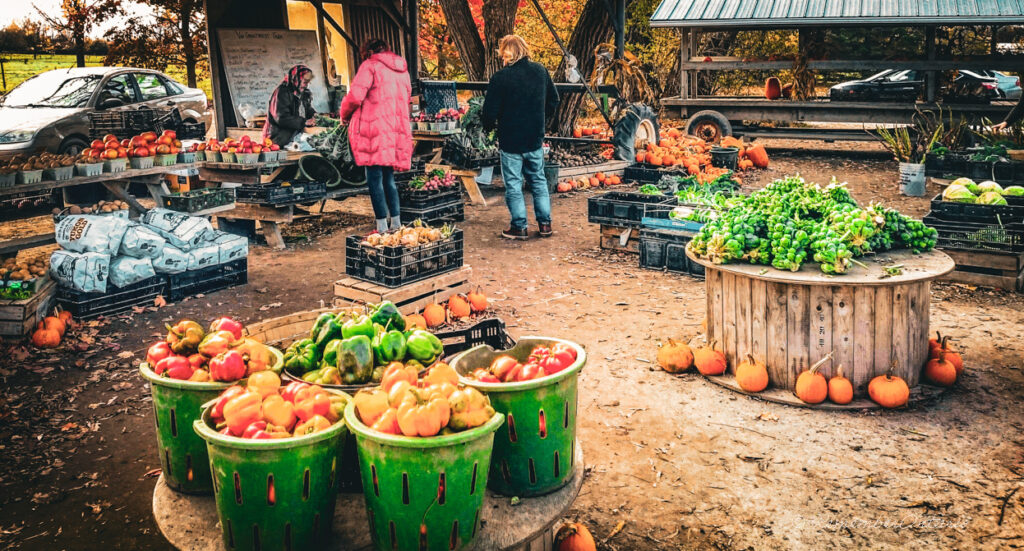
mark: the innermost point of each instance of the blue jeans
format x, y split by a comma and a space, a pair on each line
514, 166
383, 193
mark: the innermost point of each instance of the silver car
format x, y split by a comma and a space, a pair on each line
50, 111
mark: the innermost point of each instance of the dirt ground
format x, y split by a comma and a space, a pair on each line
673, 462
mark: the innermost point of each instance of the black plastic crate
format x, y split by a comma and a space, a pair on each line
417, 199
456, 155
85, 306
666, 250
623, 209
1011, 213
648, 175
192, 131
438, 95
934, 165
970, 236
491, 332
415, 169
397, 266
278, 193
200, 199
452, 212
128, 123
207, 280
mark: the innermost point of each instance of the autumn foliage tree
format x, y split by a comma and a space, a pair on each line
177, 38
78, 18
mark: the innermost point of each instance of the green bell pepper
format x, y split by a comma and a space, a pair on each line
378, 374
319, 324
361, 325
330, 330
424, 346
389, 347
355, 359
387, 314
323, 376
300, 357
331, 352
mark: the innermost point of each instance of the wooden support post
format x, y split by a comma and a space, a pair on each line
929, 78
684, 57
119, 188
694, 34
273, 234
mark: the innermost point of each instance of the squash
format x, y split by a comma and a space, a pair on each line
709, 361
840, 389
573, 536
889, 391
416, 320
458, 307
477, 300
65, 316
940, 371
45, 338
811, 386
434, 315
675, 357
732, 141
752, 375
758, 155
640, 156
54, 323
772, 88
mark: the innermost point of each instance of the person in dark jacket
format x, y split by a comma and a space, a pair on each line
291, 106
1013, 117
519, 100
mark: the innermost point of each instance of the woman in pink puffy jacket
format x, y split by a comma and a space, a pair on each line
377, 111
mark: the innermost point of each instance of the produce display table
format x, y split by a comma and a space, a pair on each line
790, 320
190, 522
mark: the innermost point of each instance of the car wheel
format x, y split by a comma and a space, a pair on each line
72, 146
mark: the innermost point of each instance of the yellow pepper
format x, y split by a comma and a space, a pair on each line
469, 409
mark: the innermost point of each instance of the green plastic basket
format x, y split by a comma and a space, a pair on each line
176, 405
529, 461
277, 493
423, 493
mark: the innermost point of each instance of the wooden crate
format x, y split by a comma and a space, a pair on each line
18, 317
409, 298
989, 269
612, 238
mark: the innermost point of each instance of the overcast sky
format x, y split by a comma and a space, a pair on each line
16, 10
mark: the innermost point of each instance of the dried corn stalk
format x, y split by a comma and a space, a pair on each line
626, 74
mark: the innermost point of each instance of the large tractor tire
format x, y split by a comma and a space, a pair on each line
638, 125
710, 126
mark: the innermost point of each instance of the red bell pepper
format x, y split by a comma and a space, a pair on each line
217, 343
217, 412
254, 428
197, 360
562, 348
225, 431
312, 404
175, 367
227, 324
228, 366
243, 410
156, 353
291, 389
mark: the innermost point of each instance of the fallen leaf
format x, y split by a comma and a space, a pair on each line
122, 386
125, 355
68, 426
97, 506
767, 416
152, 473
159, 301
266, 307
138, 309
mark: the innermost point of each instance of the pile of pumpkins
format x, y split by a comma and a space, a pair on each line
890, 391
50, 332
458, 306
676, 150
599, 131
596, 181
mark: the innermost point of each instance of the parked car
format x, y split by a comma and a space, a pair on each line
50, 111
1008, 85
907, 85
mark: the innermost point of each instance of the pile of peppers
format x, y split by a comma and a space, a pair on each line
263, 409
791, 221
543, 361
349, 349
221, 353
411, 406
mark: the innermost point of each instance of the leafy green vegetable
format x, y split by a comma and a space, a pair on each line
650, 189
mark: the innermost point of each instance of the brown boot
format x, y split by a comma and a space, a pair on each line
516, 233
545, 230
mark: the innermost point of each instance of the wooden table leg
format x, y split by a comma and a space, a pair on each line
273, 234
119, 188
475, 196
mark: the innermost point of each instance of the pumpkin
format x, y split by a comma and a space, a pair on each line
944, 350
594, 182
934, 344
772, 88
758, 155
45, 338
573, 536
65, 316
940, 372
840, 389
416, 320
787, 90
668, 160
811, 386
458, 307
675, 357
601, 177
732, 141
477, 300
564, 187
889, 391
709, 361
751, 375
434, 315
54, 323
640, 157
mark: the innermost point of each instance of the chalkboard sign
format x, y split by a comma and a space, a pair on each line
257, 60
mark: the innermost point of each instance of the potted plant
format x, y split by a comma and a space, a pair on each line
909, 151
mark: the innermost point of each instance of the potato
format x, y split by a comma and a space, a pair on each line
75, 209
87, 210
56, 210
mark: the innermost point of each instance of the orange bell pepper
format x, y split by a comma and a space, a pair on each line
279, 412
316, 423
397, 392
265, 383
243, 410
441, 373
397, 371
313, 405
370, 405
387, 422
422, 413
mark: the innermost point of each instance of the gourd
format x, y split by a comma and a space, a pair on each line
574, 536
889, 391
458, 306
434, 315
416, 320
840, 389
675, 357
772, 88
758, 155
811, 386
709, 361
477, 300
45, 338
752, 375
939, 371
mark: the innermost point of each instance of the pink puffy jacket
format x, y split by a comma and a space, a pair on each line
378, 106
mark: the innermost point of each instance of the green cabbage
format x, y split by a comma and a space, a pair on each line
1014, 190
958, 193
991, 198
990, 186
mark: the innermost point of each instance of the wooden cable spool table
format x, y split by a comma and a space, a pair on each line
790, 320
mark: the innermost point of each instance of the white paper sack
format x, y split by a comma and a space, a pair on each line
232, 247
86, 272
125, 270
141, 242
91, 234
204, 257
179, 229
171, 260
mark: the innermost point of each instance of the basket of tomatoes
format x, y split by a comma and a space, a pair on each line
424, 446
535, 385
190, 367
275, 453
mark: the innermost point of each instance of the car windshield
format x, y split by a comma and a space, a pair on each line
53, 89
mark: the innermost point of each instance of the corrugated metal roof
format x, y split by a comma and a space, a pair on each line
799, 13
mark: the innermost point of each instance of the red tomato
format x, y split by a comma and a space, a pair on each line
502, 365
484, 376
531, 371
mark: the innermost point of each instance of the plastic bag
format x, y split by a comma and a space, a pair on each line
91, 234
171, 260
141, 242
231, 246
179, 229
86, 272
204, 257
125, 270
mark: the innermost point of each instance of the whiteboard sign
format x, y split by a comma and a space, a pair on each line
257, 60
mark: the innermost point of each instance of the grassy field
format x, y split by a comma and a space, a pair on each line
18, 67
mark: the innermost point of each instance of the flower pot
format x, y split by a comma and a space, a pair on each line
912, 179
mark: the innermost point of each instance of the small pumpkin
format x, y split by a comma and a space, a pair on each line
65, 316
45, 338
51, 322
811, 385
840, 389
758, 155
675, 357
946, 351
752, 375
934, 344
573, 536
477, 300
416, 320
889, 391
940, 372
458, 307
434, 315
772, 88
709, 361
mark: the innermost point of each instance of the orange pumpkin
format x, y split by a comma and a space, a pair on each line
811, 386
564, 187
574, 537
709, 361
940, 371
641, 156
772, 88
840, 389
668, 160
434, 315
477, 300
416, 320
889, 391
458, 307
752, 375
758, 155
594, 182
732, 141
53, 323
65, 316
601, 177
45, 338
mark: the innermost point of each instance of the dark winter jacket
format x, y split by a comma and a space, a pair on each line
519, 99
289, 117
1015, 114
